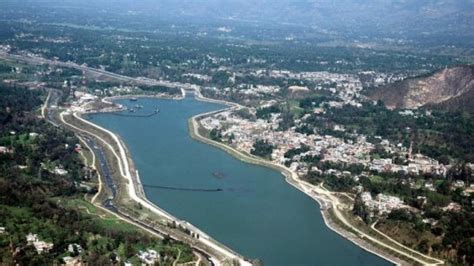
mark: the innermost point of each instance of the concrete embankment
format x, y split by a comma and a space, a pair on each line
134, 191
329, 204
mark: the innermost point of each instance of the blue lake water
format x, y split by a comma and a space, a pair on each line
257, 213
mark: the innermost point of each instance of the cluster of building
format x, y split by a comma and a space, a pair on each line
345, 87
148, 257
382, 204
198, 76
40, 38
43, 247
5, 150
251, 89
81, 101
246, 90
117, 90
374, 79
317, 76
243, 133
417, 164
74, 257
5, 48
40, 246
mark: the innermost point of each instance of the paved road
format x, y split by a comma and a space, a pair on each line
51, 104
124, 170
109, 202
32, 59
103, 166
51, 107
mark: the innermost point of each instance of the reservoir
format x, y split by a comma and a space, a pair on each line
249, 208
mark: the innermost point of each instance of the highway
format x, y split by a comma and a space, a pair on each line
332, 202
109, 202
51, 106
200, 245
203, 244
36, 60
104, 167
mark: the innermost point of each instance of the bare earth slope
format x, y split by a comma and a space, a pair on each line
451, 89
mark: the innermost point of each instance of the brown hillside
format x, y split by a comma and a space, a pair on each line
451, 89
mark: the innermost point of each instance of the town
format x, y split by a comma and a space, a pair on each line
236, 132
243, 129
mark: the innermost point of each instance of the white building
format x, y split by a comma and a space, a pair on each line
382, 204
60, 171
148, 257
75, 247
40, 246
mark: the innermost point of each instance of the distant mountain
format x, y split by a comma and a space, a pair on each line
449, 89
421, 19
448, 21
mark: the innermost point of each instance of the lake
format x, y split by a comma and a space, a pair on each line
255, 212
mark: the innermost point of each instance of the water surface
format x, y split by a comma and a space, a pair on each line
257, 213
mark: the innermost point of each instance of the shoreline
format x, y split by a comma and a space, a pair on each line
317, 193
135, 188
293, 180
325, 202
289, 176
109, 99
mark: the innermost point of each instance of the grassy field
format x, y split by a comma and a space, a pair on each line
103, 218
376, 179
295, 108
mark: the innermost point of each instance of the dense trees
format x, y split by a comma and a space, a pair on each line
215, 134
262, 148
436, 134
296, 151
33, 198
314, 101
175, 50
265, 112
161, 89
361, 210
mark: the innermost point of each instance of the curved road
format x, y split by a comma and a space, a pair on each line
123, 163
99, 155
89, 140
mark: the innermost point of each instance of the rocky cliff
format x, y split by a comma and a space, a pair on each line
451, 89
